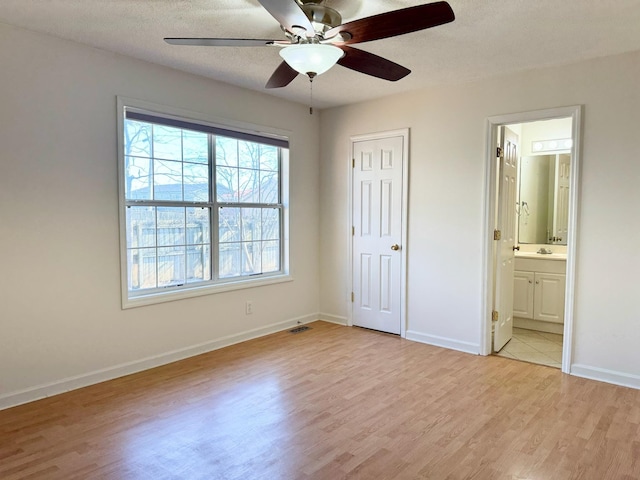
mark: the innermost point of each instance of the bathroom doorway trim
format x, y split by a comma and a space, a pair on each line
493, 123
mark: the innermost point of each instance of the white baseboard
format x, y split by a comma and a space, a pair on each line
327, 317
13, 399
443, 342
607, 376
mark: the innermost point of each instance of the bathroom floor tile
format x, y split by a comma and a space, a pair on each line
520, 348
554, 337
527, 335
535, 357
545, 347
556, 356
534, 347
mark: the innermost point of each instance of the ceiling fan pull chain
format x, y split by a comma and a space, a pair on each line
310, 95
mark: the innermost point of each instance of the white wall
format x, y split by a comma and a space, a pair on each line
61, 324
446, 201
60, 311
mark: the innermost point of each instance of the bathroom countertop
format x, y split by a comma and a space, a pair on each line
542, 256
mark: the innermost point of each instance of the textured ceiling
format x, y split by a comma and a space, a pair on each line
488, 37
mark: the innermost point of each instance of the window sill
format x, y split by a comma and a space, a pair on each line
162, 297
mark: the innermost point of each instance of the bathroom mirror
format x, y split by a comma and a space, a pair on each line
543, 199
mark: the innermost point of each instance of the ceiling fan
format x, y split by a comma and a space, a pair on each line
316, 38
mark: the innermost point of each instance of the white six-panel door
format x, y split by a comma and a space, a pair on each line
377, 233
503, 327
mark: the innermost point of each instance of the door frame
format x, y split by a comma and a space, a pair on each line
404, 133
492, 125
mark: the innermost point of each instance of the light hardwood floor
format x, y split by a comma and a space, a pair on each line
330, 403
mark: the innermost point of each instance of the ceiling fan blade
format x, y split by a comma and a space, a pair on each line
224, 42
397, 22
289, 14
282, 77
365, 62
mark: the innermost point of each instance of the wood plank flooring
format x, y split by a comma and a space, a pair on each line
330, 403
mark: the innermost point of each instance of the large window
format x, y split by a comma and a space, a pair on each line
203, 205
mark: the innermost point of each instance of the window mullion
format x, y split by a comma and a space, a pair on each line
248, 205
280, 176
165, 203
281, 209
155, 248
214, 216
152, 168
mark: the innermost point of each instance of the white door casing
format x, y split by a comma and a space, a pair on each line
503, 328
493, 124
378, 226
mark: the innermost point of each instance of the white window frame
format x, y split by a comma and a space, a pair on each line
215, 285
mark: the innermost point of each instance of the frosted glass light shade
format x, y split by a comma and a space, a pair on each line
311, 57
552, 145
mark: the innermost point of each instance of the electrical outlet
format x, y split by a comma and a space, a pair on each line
248, 308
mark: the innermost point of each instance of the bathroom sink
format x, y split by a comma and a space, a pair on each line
545, 256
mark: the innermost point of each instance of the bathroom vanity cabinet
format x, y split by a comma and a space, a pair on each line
539, 293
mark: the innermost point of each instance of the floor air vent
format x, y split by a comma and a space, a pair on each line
299, 329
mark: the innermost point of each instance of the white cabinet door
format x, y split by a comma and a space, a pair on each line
549, 297
523, 294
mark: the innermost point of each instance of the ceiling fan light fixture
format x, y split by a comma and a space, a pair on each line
311, 58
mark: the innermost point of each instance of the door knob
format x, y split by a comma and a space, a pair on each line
395, 247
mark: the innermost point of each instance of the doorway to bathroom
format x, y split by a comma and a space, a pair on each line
531, 215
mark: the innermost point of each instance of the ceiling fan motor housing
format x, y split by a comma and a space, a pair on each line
322, 18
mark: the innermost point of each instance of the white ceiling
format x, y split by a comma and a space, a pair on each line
488, 37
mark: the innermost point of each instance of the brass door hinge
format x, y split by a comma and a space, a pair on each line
499, 153
353, 230
497, 234
353, 163
494, 315
353, 297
